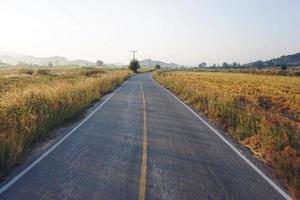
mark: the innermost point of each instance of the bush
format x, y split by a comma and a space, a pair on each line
91, 72
157, 66
42, 72
25, 71
283, 67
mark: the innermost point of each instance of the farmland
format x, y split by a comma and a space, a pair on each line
276, 71
262, 112
33, 101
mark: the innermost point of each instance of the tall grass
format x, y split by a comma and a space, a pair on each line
27, 113
261, 112
276, 71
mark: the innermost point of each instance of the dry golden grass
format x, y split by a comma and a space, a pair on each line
276, 71
291, 71
33, 102
262, 112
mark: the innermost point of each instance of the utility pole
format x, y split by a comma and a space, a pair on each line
133, 54
149, 62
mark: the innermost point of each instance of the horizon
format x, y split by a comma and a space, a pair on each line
16, 55
201, 31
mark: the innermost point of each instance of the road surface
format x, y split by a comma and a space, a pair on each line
141, 143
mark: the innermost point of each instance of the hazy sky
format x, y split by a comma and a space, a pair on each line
182, 31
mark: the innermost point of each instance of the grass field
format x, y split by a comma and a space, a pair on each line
276, 71
33, 101
290, 71
262, 112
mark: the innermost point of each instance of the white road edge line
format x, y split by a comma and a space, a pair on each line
274, 185
28, 168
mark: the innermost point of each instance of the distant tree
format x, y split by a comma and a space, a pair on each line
203, 64
234, 65
99, 63
134, 65
157, 66
270, 63
20, 63
259, 64
225, 65
283, 67
50, 64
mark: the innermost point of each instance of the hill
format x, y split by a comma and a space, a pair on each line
32, 60
289, 60
145, 62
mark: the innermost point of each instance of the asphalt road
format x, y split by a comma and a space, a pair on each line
141, 143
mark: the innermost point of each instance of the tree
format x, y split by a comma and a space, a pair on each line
225, 65
202, 64
20, 63
50, 64
234, 65
283, 67
99, 63
56, 63
259, 64
134, 65
157, 66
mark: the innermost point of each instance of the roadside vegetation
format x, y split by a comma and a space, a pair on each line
35, 100
262, 112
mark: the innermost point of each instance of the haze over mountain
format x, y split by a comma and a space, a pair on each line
14, 59
288, 60
145, 62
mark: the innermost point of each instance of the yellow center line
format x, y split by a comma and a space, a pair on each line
143, 177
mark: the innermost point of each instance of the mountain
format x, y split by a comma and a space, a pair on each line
55, 60
289, 60
145, 62
7, 53
116, 64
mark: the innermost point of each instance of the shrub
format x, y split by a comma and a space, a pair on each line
91, 72
283, 67
25, 71
42, 72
